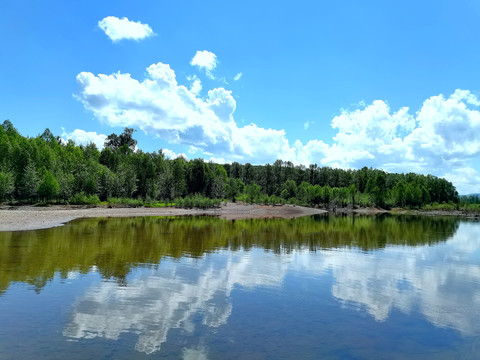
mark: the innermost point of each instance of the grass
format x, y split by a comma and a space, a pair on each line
197, 201
82, 199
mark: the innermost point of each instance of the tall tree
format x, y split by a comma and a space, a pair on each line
48, 188
6, 185
123, 142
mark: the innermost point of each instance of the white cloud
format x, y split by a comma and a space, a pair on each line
465, 179
306, 124
238, 76
83, 137
173, 155
119, 29
441, 138
205, 60
161, 107
196, 85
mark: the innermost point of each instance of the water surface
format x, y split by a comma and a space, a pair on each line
385, 287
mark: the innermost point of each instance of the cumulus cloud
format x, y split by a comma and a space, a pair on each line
84, 137
238, 76
205, 60
196, 85
441, 138
160, 106
173, 155
119, 29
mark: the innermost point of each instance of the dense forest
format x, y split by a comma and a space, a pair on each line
46, 169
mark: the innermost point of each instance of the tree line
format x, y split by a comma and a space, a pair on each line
45, 168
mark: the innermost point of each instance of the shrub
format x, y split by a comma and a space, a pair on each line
82, 199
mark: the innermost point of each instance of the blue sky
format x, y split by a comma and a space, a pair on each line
392, 85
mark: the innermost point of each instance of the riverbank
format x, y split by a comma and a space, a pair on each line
16, 218
459, 213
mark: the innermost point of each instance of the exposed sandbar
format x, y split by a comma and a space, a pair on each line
32, 218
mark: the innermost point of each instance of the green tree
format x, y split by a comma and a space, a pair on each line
234, 188
289, 189
109, 159
165, 185
352, 192
28, 184
218, 188
179, 181
6, 185
248, 174
196, 178
267, 181
123, 142
48, 188
326, 195
107, 182
252, 192
66, 183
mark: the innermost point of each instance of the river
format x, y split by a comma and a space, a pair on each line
334, 287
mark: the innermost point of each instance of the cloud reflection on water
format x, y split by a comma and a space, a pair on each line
442, 282
157, 300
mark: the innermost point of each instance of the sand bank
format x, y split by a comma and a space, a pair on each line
31, 218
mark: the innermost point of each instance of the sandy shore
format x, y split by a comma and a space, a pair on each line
31, 218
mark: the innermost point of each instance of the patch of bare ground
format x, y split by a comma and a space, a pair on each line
15, 218
461, 213
360, 211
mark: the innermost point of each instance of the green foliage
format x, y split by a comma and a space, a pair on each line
289, 189
125, 202
470, 199
82, 199
465, 207
252, 193
234, 188
37, 164
124, 142
28, 183
178, 178
197, 201
48, 188
6, 185
166, 189
65, 184
156, 204
218, 190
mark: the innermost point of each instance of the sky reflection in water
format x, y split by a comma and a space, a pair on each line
300, 297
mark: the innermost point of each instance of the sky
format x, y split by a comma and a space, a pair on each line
383, 84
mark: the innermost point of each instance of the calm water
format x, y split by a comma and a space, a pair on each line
204, 288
